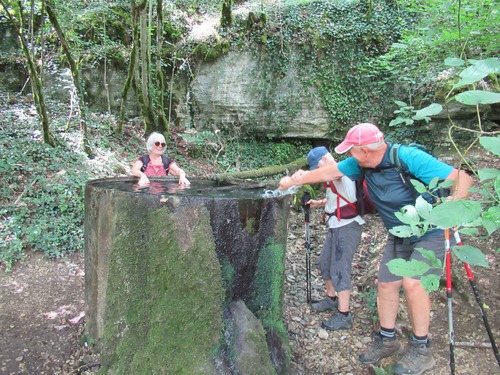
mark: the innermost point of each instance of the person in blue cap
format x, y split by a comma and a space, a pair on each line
341, 241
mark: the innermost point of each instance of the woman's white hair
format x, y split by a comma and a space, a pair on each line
154, 137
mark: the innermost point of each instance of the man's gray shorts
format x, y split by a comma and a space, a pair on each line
402, 248
335, 261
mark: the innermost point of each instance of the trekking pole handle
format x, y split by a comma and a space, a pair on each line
306, 197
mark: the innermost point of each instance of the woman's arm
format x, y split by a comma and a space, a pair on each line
136, 171
178, 171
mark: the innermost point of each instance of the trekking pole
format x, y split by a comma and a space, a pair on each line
450, 298
307, 209
472, 282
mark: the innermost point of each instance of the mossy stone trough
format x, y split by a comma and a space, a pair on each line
185, 280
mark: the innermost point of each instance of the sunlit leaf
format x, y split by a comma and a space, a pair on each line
408, 215
401, 267
402, 231
454, 61
455, 213
491, 219
470, 231
475, 97
398, 120
497, 186
431, 257
399, 45
428, 111
471, 255
400, 103
487, 174
430, 282
478, 71
492, 144
419, 187
423, 207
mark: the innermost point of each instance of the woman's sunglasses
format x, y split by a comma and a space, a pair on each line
158, 144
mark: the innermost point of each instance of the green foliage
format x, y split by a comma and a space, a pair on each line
331, 57
42, 200
406, 114
230, 153
465, 29
467, 216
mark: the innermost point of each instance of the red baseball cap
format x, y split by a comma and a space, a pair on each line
360, 135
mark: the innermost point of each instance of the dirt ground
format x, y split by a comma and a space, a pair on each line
42, 305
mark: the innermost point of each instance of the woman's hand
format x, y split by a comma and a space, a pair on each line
183, 180
143, 180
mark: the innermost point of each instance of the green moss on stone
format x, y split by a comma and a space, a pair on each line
164, 294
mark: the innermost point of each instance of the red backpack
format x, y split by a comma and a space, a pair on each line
363, 204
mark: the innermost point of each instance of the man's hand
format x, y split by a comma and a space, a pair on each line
297, 176
285, 183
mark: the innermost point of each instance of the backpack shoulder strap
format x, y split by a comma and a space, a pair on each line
145, 161
394, 156
329, 184
166, 161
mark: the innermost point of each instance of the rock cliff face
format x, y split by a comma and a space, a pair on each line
231, 92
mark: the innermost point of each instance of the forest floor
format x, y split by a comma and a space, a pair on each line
42, 313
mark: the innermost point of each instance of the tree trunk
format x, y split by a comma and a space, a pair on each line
227, 16
236, 177
163, 125
34, 77
75, 73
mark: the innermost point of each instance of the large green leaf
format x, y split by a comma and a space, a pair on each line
454, 61
402, 231
497, 186
401, 120
428, 111
408, 215
474, 97
491, 219
423, 207
471, 255
455, 213
470, 231
430, 282
403, 268
479, 70
430, 255
491, 144
488, 174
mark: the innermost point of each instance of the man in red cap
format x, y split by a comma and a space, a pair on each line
388, 189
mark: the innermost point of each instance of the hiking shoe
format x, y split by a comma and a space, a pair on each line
325, 304
416, 360
381, 348
338, 321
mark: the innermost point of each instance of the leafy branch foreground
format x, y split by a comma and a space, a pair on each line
468, 217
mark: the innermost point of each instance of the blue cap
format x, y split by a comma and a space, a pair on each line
315, 155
